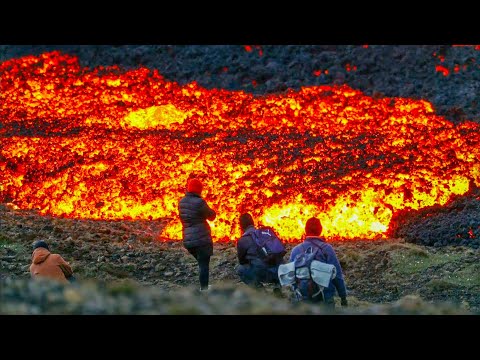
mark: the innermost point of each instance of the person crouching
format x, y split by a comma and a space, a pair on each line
48, 265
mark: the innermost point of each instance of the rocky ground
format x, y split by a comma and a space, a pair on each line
456, 223
122, 268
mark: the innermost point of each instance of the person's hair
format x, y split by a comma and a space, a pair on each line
246, 220
40, 244
313, 227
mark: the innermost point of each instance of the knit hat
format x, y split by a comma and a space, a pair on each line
195, 186
313, 227
40, 244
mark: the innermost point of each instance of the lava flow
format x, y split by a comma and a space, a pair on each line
113, 144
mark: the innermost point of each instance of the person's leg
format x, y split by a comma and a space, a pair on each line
250, 275
203, 266
197, 253
193, 251
246, 274
259, 275
272, 278
272, 275
203, 258
277, 287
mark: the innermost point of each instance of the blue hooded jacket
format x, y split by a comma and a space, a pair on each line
327, 255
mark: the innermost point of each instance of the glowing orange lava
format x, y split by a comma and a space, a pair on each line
107, 143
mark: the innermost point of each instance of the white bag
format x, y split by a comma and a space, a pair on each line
322, 273
286, 274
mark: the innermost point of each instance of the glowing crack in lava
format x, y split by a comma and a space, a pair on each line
107, 143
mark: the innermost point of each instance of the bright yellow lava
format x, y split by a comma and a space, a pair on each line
112, 144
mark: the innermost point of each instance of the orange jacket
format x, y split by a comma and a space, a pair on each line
46, 264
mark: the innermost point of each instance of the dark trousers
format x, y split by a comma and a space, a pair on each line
254, 275
202, 254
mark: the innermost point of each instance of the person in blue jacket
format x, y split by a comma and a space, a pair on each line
313, 229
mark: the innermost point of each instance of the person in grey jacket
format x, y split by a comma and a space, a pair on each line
197, 237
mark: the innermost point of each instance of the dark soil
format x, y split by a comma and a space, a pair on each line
121, 252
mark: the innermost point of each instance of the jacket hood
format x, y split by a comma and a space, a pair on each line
40, 255
249, 230
317, 240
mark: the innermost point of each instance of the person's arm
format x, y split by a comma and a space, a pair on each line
294, 253
242, 251
206, 211
67, 270
338, 281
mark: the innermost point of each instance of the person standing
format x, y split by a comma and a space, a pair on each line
197, 237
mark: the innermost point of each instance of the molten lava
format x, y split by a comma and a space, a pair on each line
106, 143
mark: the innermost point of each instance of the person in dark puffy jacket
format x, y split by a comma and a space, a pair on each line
197, 237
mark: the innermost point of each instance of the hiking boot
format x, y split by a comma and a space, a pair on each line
206, 290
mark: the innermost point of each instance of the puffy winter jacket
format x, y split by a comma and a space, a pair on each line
194, 213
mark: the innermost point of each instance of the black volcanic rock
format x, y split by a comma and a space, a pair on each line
392, 70
457, 223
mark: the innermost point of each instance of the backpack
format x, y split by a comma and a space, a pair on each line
269, 247
307, 275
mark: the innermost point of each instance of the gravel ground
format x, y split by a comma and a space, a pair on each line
127, 255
